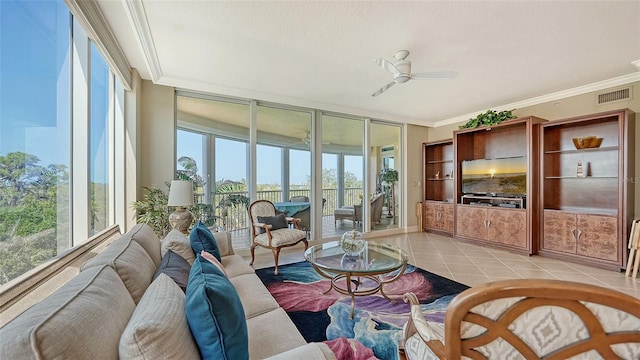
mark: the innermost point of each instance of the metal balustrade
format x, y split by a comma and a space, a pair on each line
236, 218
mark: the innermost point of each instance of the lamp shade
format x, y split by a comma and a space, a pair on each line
181, 193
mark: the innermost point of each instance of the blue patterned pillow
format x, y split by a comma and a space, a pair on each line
215, 314
201, 238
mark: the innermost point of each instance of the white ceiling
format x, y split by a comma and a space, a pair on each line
320, 54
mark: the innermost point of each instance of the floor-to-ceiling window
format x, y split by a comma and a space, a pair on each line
281, 131
384, 163
342, 170
56, 139
281, 169
214, 135
99, 129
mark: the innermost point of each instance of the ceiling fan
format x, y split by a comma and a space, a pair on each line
401, 71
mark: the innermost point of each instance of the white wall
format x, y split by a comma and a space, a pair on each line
415, 136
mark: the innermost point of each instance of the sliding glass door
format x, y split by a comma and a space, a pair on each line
385, 171
342, 173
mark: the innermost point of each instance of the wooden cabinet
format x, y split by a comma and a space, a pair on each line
438, 216
502, 227
593, 236
438, 186
586, 215
506, 220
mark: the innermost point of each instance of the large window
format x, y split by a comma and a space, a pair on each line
39, 172
275, 152
99, 129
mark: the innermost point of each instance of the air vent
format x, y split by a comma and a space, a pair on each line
617, 95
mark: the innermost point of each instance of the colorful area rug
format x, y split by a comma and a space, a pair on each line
376, 328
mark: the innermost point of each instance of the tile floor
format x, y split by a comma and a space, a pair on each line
472, 264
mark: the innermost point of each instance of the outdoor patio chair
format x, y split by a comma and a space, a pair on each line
354, 212
273, 231
528, 319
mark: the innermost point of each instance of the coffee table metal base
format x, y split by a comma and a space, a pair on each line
348, 276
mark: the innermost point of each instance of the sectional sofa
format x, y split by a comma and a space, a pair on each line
129, 302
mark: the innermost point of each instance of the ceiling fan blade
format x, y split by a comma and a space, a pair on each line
435, 75
383, 89
388, 66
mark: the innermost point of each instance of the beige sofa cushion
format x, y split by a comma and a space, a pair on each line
272, 333
254, 296
82, 319
144, 235
179, 244
310, 351
131, 262
235, 265
223, 239
158, 328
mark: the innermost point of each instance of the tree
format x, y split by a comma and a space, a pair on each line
189, 171
17, 171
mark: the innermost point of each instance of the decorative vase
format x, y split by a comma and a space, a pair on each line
352, 243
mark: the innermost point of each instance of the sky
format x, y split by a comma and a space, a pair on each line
35, 87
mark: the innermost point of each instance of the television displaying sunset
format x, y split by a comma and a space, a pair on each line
500, 176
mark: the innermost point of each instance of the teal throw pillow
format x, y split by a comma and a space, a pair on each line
201, 238
215, 315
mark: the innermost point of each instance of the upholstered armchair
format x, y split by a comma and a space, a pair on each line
300, 198
273, 231
528, 319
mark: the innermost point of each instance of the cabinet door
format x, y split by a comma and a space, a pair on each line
598, 236
446, 219
559, 231
430, 215
471, 222
507, 227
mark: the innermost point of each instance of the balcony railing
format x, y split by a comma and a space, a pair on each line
236, 218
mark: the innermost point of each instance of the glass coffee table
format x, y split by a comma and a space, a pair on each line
346, 272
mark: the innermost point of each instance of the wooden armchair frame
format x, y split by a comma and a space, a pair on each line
519, 297
275, 239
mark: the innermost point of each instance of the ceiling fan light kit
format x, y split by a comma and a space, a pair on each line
401, 71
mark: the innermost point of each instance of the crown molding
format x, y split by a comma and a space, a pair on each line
600, 85
93, 22
138, 18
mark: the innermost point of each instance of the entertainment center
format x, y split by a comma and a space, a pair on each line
559, 188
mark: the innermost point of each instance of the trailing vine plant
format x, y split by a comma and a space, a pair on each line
491, 117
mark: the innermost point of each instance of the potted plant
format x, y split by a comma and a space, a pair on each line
488, 118
390, 176
153, 210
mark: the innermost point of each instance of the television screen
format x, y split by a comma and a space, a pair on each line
506, 176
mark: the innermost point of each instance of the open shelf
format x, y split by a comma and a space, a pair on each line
575, 151
580, 177
438, 184
585, 218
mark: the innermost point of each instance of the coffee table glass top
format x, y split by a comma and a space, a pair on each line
376, 258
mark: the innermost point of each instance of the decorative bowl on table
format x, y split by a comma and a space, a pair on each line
587, 142
352, 243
